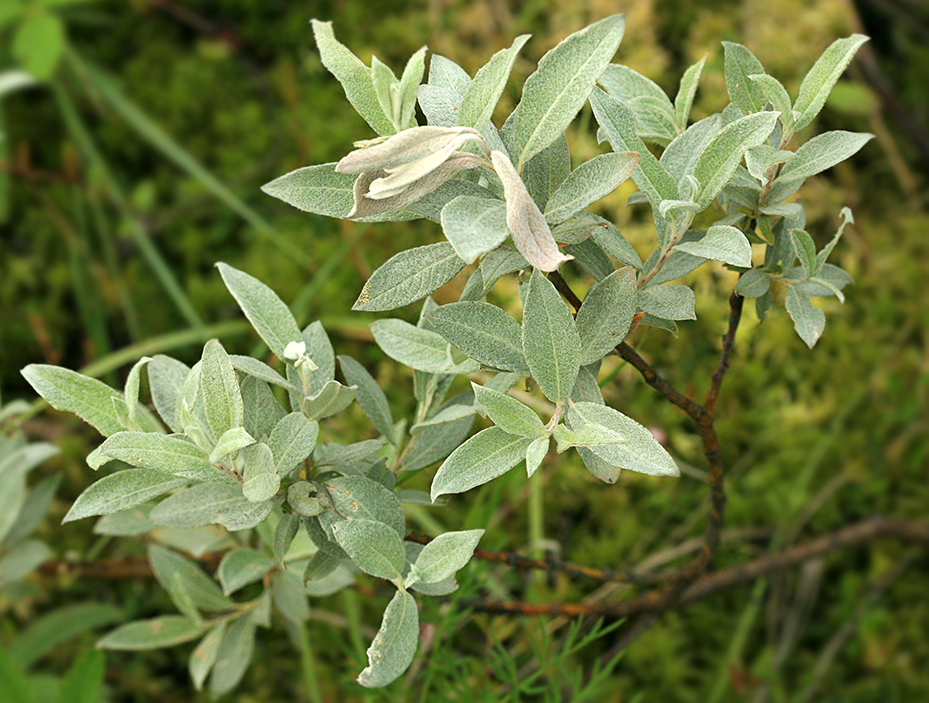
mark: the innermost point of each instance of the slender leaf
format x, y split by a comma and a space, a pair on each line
409, 276
550, 339
486, 455
394, 646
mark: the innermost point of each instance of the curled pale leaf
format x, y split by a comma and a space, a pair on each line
406, 147
531, 233
365, 206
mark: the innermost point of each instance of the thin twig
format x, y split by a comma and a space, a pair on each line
656, 601
736, 302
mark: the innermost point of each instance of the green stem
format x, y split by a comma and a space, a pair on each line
308, 666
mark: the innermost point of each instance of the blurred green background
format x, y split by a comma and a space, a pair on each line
135, 164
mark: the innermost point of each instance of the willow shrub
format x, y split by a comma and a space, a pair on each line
234, 441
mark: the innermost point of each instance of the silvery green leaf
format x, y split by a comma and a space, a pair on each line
284, 535
166, 378
231, 441
669, 302
485, 456
439, 105
612, 241
365, 452
22, 560
267, 312
332, 399
222, 399
586, 387
120, 491
776, 94
302, 497
805, 249
409, 82
686, 92
482, 331
721, 243
261, 481
654, 113
550, 339
430, 205
321, 190
535, 453
618, 123
69, 391
164, 631
588, 183
604, 319
417, 348
740, 64
235, 653
258, 369
809, 321
204, 656
669, 209
484, 91
499, 263
822, 152
590, 257
370, 397
170, 567
445, 73
262, 411
753, 284
131, 390
126, 523
719, 160
409, 276
531, 233
639, 452
289, 596
507, 413
358, 497
339, 578
829, 281
32, 512
354, 76
588, 435
320, 566
376, 548
292, 440
822, 77
240, 567
434, 442
445, 555
598, 467
394, 646
545, 171
682, 153
758, 161
474, 226
158, 452
555, 93
12, 498
208, 503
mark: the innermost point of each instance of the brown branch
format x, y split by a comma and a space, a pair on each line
736, 302
659, 383
878, 527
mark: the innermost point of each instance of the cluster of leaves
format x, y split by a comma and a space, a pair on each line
235, 442
22, 507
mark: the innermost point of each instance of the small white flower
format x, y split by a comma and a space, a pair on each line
294, 350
